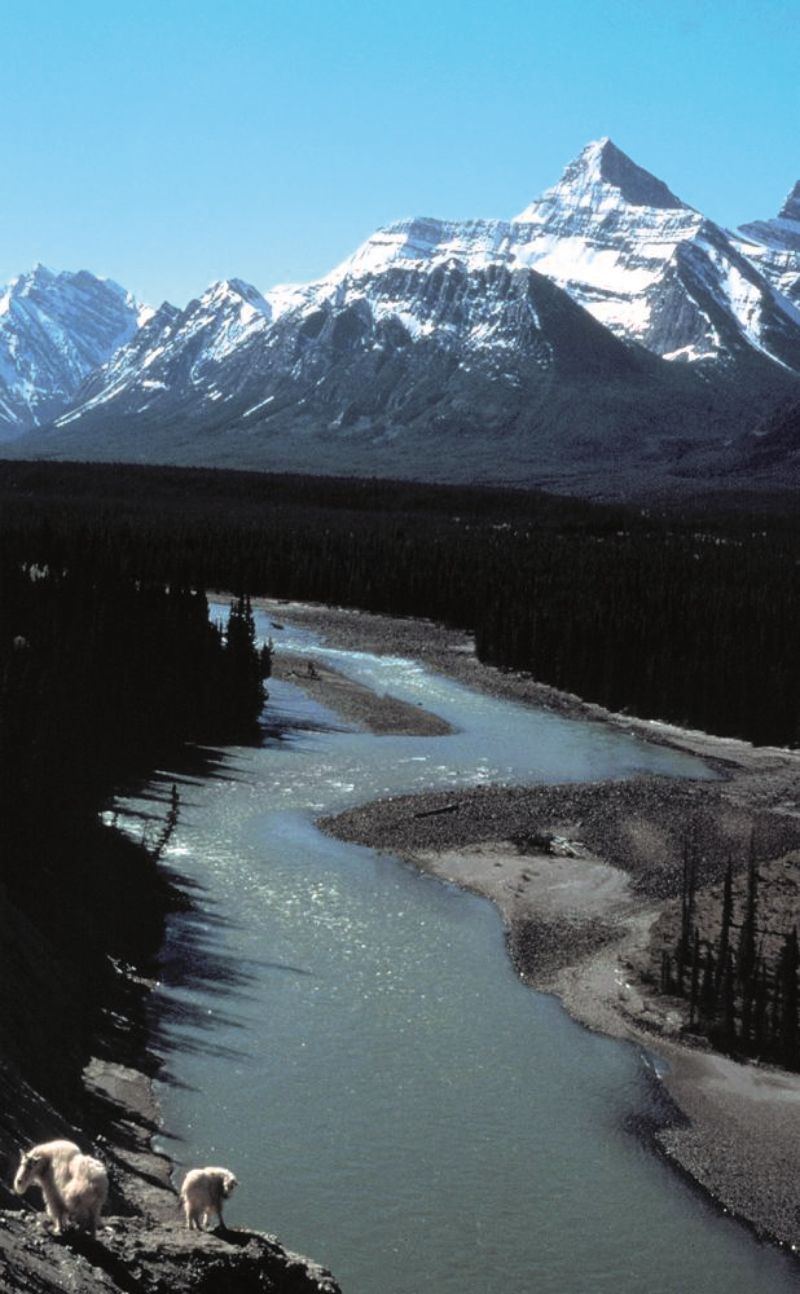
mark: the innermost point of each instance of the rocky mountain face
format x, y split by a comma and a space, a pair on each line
773, 246
651, 268
771, 451
609, 322
477, 373
175, 357
644, 264
56, 329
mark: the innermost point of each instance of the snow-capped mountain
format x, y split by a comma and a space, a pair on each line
774, 246
608, 319
643, 263
484, 373
652, 268
177, 354
454, 344
55, 329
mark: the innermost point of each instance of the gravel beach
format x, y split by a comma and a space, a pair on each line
587, 878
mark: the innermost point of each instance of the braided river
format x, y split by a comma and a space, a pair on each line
357, 1048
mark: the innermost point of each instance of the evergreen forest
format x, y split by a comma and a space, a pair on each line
689, 615
736, 968
105, 673
109, 666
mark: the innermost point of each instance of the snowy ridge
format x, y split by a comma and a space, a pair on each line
643, 262
611, 235
603, 177
773, 246
178, 347
423, 303
411, 271
55, 329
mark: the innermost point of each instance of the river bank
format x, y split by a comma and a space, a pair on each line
109, 1108
143, 1246
583, 910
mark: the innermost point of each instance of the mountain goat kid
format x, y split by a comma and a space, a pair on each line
202, 1194
74, 1185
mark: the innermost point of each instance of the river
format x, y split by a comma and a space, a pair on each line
393, 1100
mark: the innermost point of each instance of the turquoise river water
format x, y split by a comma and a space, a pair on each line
393, 1100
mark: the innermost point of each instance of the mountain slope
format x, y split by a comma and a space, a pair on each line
55, 329
491, 374
773, 246
651, 268
643, 263
610, 328
176, 355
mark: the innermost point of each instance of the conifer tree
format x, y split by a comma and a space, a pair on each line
746, 965
708, 988
170, 823
788, 966
688, 888
760, 1021
695, 980
725, 925
727, 1029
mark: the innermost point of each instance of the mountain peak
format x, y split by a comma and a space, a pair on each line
791, 207
602, 166
225, 289
44, 279
56, 327
601, 162
39, 277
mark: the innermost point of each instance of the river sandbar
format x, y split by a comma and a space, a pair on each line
580, 913
379, 714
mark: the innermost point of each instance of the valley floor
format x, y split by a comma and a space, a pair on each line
587, 915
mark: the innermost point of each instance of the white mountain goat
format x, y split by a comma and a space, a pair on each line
203, 1192
74, 1185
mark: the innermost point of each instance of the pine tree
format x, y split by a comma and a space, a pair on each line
747, 958
695, 980
708, 988
170, 823
727, 1028
788, 965
725, 925
243, 688
688, 888
760, 1007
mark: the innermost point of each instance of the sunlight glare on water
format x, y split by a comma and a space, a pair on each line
393, 1100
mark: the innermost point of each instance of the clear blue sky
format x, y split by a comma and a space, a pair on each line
167, 143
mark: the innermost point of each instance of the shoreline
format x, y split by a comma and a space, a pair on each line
580, 913
112, 1111
143, 1243
356, 703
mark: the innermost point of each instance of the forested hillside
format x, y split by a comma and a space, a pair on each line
690, 617
109, 667
104, 673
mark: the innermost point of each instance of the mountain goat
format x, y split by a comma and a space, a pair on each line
202, 1194
74, 1186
